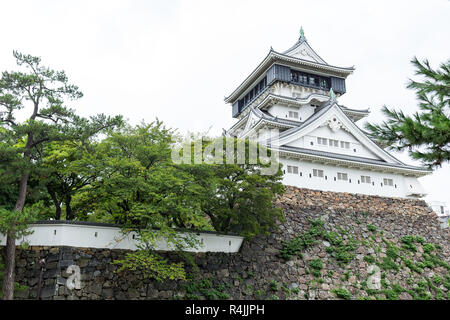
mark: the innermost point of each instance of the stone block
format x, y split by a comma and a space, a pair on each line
48, 292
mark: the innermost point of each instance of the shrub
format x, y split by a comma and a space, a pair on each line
342, 293
274, 285
408, 243
316, 265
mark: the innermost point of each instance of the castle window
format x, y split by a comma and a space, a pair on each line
322, 141
292, 169
334, 143
345, 144
318, 173
294, 76
365, 179
342, 176
293, 114
323, 83
388, 182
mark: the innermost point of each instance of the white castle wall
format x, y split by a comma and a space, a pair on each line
330, 171
340, 135
107, 237
282, 111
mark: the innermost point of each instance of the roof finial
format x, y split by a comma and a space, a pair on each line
332, 95
302, 33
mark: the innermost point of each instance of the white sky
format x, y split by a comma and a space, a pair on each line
176, 60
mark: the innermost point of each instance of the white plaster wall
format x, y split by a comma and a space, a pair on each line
341, 135
282, 111
436, 206
305, 181
87, 236
281, 90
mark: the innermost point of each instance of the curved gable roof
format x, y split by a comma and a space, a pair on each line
294, 133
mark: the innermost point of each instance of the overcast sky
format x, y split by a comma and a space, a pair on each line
176, 60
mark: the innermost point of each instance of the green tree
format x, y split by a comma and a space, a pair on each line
425, 134
67, 168
140, 188
236, 196
42, 92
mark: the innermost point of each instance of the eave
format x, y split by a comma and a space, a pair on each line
267, 99
276, 57
340, 160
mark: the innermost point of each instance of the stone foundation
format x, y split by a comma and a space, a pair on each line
258, 272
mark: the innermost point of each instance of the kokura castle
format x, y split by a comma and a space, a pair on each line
291, 96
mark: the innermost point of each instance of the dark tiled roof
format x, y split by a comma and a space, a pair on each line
268, 116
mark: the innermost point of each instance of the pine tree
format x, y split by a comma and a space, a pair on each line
37, 94
426, 133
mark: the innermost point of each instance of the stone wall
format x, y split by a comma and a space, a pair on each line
348, 246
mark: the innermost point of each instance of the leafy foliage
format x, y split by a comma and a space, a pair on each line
342, 293
44, 91
426, 134
408, 243
304, 241
151, 266
206, 287
55, 163
18, 222
236, 196
316, 265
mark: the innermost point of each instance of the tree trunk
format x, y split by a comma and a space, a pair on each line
56, 202
8, 277
69, 212
10, 255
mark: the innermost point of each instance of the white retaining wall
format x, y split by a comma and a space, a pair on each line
108, 237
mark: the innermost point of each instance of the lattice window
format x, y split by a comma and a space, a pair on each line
334, 143
365, 179
318, 173
342, 176
292, 169
293, 114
